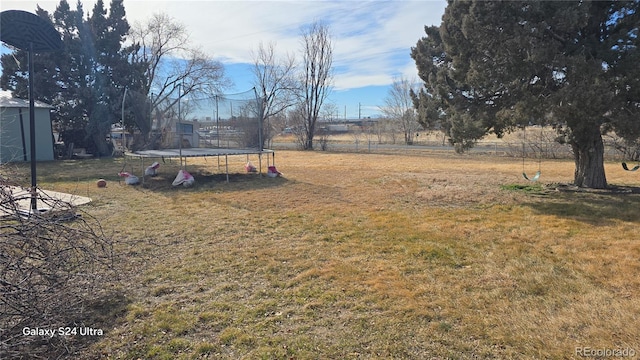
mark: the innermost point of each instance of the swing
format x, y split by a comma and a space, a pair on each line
534, 178
624, 166
524, 174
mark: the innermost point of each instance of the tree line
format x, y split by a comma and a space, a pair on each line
489, 67
110, 68
84, 80
105, 59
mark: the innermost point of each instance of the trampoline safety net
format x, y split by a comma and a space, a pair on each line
224, 121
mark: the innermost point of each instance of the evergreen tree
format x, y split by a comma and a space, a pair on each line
85, 82
125, 73
492, 66
104, 42
73, 75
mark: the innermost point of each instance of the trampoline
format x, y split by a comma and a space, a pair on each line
182, 154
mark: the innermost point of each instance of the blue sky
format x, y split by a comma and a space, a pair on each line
372, 39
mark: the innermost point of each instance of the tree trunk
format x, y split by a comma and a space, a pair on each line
589, 160
102, 148
311, 129
308, 144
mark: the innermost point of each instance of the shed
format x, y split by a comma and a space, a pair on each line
15, 130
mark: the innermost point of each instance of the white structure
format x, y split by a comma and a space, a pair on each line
187, 132
15, 130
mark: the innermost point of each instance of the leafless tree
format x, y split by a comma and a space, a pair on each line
275, 82
356, 134
173, 64
388, 130
625, 149
329, 111
296, 120
400, 109
316, 76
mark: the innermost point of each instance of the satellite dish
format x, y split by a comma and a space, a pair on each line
28, 31
23, 29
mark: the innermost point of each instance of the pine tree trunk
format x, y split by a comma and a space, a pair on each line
589, 160
102, 148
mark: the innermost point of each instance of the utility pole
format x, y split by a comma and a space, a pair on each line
359, 110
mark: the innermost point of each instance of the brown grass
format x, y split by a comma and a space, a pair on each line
420, 255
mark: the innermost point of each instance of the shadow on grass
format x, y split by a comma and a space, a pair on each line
595, 207
206, 180
90, 170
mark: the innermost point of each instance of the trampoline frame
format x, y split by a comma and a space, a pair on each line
182, 154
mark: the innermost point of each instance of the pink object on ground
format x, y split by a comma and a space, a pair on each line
183, 178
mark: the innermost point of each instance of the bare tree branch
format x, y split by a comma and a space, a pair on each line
276, 83
50, 269
172, 60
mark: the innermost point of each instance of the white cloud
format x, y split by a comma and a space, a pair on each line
372, 38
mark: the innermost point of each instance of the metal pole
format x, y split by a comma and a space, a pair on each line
179, 128
123, 142
32, 133
217, 126
260, 103
226, 164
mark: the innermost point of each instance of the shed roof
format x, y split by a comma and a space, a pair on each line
8, 101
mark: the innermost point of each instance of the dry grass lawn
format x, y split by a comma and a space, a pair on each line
414, 256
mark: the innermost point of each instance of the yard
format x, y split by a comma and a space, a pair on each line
402, 255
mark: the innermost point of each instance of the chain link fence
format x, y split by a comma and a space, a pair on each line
536, 144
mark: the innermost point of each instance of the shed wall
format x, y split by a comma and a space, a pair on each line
11, 135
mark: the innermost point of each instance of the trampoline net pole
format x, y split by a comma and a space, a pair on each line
226, 162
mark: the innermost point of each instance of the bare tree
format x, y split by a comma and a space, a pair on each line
329, 111
387, 130
296, 120
275, 82
173, 64
316, 75
399, 108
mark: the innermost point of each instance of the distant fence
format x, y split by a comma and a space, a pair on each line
540, 149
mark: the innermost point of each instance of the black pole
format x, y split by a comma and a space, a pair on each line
32, 133
24, 142
29, 32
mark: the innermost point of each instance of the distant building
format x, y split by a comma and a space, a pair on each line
338, 128
187, 132
15, 130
